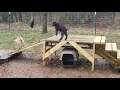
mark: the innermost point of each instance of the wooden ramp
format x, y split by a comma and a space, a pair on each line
5, 54
25, 48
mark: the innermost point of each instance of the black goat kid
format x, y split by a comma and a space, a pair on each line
61, 28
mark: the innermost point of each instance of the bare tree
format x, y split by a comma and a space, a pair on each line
114, 14
11, 15
44, 21
40, 17
20, 16
15, 13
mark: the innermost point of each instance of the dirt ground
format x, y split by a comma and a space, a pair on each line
31, 67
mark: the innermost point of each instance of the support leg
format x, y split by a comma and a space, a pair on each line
93, 66
93, 63
55, 53
51, 56
43, 52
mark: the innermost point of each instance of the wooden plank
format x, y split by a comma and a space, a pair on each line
103, 40
114, 47
108, 47
97, 40
52, 50
118, 54
76, 38
82, 51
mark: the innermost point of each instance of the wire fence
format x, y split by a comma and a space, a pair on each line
80, 23
85, 21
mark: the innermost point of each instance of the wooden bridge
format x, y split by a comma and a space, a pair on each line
97, 44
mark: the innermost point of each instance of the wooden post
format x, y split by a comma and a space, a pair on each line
55, 52
43, 52
93, 64
51, 56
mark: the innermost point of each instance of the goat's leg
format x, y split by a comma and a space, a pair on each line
66, 35
62, 34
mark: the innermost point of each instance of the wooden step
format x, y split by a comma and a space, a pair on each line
99, 40
118, 54
111, 47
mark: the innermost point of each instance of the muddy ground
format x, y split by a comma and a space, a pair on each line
31, 67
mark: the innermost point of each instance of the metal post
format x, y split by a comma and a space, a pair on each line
9, 20
95, 22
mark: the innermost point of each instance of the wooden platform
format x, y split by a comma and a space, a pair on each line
85, 39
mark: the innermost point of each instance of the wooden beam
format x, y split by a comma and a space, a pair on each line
52, 50
82, 51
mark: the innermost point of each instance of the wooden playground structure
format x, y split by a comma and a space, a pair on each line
97, 44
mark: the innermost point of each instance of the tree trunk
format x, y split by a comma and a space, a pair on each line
20, 16
114, 14
44, 27
40, 17
16, 16
11, 16
50, 17
26, 19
